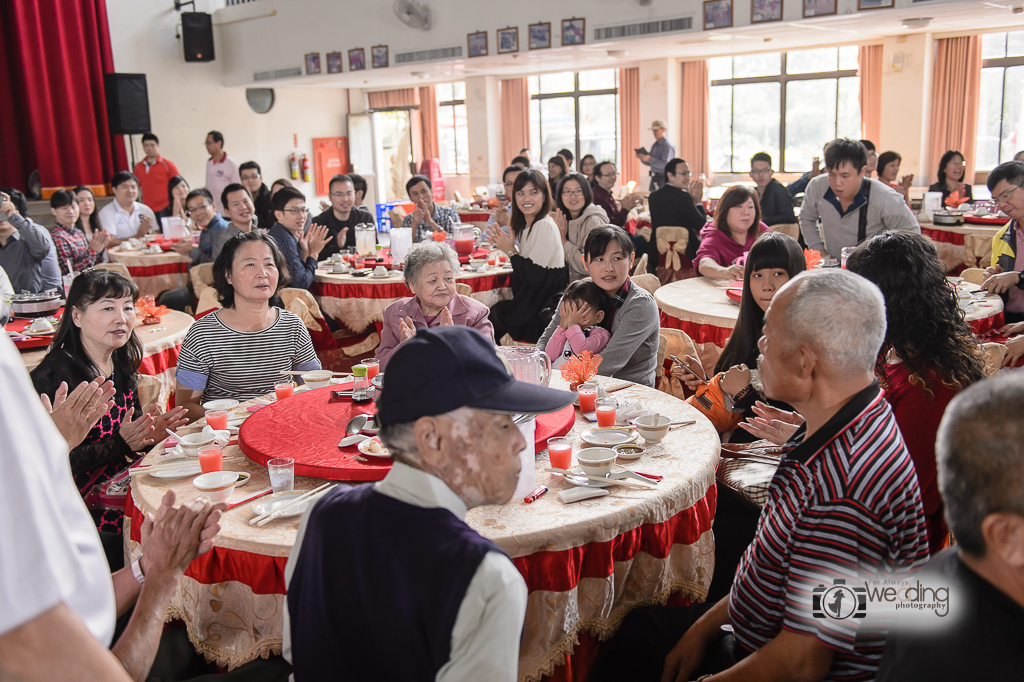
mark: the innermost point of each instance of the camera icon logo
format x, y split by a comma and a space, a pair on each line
839, 601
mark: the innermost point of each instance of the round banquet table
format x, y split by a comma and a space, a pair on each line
358, 302
161, 344
699, 307
586, 565
962, 246
154, 273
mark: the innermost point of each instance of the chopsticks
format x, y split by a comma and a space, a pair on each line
598, 479
264, 519
162, 466
250, 498
298, 374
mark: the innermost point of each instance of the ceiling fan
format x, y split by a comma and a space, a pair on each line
412, 14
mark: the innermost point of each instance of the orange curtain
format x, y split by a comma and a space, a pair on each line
870, 60
406, 97
428, 121
629, 122
515, 117
693, 144
956, 91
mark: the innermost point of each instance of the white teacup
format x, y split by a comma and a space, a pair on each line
217, 486
191, 443
476, 264
380, 271
339, 267
337, 258
596, 461
40, 324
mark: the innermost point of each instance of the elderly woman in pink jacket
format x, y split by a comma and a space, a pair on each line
430, 271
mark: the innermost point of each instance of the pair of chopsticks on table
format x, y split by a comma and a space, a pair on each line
264, 519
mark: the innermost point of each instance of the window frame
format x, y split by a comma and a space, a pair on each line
576, 94
784, 79
452, 104
1000, 63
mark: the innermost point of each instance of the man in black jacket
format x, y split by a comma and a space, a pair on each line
676, 204
776, 203
252, 180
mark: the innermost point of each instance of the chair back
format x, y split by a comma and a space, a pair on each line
463, 289
973, 275
649, 282
792, 229
202, 278
115, 267
993, 359
641, 265
676, 342
673, 263
289, 294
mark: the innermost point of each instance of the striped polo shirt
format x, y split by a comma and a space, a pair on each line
844, 503
226, 363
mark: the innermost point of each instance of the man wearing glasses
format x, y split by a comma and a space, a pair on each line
252, 179
1004, 275
342, 216
605, 177
677, 204
776, 204
200, 210
300, 250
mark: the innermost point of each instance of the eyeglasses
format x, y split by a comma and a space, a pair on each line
190, 211
340, 195
572, 192
1005, 196
297, 211
249, 178
755, 171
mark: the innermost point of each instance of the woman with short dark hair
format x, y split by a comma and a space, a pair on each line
576, 215
240, 350
724, 240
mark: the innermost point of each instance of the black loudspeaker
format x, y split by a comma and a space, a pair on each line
197, 36
127, 103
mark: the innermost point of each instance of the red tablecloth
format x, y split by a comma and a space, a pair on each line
307, 428
20, 324
943, 236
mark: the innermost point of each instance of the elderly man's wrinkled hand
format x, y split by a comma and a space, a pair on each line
76, 414
1000, 283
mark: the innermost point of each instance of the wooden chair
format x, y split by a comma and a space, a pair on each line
792, 229
672, 342
994, 354
647, 281
640, 266
115, 267
973, 275
202, 278
463, 289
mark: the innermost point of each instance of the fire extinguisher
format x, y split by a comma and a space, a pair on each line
306, 175
293, 165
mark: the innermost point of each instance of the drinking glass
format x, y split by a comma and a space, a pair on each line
283, 389
217, 419
366, 239
372, 367
588, 397
606, 412
211, 458
845, 254
560, 452
282, 474
401, 242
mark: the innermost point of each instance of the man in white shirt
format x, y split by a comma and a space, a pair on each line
124, 217
395, 562
221, 169
58, 601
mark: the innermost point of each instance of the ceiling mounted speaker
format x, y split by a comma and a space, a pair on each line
412, 14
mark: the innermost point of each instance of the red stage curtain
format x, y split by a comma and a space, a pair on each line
54, 115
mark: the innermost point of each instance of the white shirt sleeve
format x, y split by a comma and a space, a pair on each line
489, 625
542, 243
108, 219
50, 552
6, 289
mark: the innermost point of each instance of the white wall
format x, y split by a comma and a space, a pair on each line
187, 100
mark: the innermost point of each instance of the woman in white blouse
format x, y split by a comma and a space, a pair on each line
535, 252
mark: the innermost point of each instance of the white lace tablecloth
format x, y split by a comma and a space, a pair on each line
231, 601
699, 307
358, 302
154, 273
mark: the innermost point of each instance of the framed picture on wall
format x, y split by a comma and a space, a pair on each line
379, 56
356, 59
819, 8
508, 40
477, 44
574, 31
540, 35
717, 14
873, 4
765, 10
312, 63
333, 62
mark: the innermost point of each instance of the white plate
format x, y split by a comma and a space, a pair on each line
28, 333
608, 437
274, 501
190, 468
362, 448
224, 404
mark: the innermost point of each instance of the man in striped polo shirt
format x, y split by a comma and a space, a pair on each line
844, 503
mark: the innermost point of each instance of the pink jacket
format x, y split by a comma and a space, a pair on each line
465, 310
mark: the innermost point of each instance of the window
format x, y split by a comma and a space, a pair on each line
575, 111
1000, 114
452, 131
814, 92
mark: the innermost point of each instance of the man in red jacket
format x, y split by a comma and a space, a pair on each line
153, 173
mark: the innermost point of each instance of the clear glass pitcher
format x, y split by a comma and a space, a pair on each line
401, 242
528, 363
465, 238
366, 239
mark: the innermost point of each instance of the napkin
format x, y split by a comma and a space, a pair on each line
577, 494
627, 410
221, 438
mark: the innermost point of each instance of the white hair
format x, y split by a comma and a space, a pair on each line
839, 314
424, 253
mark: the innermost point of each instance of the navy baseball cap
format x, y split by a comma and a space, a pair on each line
453, 366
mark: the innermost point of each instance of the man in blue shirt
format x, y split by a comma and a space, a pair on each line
661, 151
300, 250
200, 209
27, 253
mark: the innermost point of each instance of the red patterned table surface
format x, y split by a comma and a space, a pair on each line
20, 324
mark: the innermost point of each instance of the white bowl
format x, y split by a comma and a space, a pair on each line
217, 486
653, 427
596, 461
224, 404
477, 263
191, 443
318, 378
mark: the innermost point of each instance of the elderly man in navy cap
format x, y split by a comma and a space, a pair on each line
386, 581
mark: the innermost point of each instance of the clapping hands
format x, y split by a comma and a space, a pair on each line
313, 241
76, 414
772, 424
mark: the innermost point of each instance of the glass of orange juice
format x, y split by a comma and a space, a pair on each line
560, 452
211, 458
606, 412
284, 389
217, 419
372, 367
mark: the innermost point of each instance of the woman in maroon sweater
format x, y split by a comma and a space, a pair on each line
929, 354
